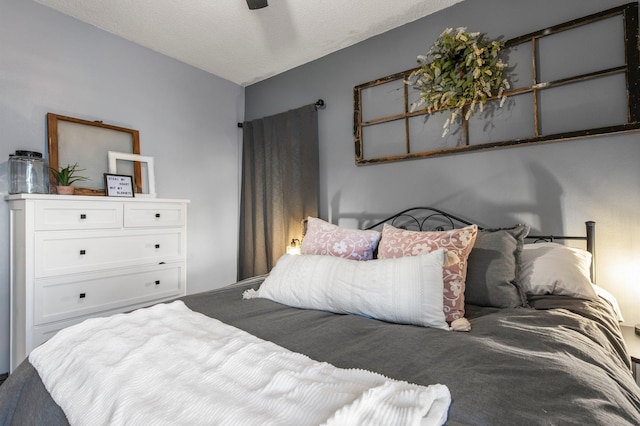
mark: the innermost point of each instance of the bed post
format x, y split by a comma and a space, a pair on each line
591, 246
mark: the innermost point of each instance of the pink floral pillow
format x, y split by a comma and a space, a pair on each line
399, 242
327, 239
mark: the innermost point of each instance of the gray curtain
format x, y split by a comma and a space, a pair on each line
279, 186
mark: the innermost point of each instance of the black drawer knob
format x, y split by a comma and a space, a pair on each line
83, 216
83, 252
83, 295
157, 282
158, 215
157, 246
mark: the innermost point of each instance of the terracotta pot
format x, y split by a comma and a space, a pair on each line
65, 190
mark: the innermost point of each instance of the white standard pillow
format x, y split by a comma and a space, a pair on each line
551, 268
405, 290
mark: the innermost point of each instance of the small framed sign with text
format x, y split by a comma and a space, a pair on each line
118, 185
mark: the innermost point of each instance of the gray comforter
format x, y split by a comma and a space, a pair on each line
560, 362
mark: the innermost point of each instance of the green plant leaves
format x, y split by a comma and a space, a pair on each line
67, 175
461, 69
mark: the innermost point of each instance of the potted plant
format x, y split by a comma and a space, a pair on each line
65, 177
460, 72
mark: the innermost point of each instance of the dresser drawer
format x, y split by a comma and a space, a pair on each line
154, 215
54, 215
63, 247
63, 298
60, 253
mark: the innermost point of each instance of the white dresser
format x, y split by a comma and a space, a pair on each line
76, 257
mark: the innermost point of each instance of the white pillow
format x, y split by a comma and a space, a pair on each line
551, 268
406, 290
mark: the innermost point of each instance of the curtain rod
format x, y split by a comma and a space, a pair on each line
319, 105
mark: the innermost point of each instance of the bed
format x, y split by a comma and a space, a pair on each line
527, 339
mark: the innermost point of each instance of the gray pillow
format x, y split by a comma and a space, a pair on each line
493, 268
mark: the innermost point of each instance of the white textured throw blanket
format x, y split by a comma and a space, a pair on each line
169, 365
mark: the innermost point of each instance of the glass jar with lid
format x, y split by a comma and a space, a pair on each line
28, 173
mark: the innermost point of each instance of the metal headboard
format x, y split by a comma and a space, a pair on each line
432, 219
423, 219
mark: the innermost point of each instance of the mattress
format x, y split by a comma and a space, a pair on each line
561, 360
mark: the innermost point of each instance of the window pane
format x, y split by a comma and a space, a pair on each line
515, 120
384, 139
383, 100
585, 105
588, 48
519, 62
425, 132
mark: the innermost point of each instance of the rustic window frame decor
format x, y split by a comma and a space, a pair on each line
630, 69
96, 134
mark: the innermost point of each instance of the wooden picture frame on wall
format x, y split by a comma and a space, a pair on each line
87, 143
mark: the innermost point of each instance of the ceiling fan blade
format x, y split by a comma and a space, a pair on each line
257, 4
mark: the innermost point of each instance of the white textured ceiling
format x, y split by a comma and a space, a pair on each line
245, 46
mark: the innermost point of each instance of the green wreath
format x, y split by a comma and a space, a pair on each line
462, 70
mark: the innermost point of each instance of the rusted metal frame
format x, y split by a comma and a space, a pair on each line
538, 138
623, 128
397, 76
407, 136
511, 92
534, 63
391, 118
630, 13
630, 16
583, 77
537, 87
357, 120
465, 126
386, 79
569, 25
563, 81
534, 88
632, 58
357, 101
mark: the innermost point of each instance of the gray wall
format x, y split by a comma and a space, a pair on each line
186, 118
554, 187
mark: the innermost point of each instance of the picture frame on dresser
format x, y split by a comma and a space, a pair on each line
118, 185
147, 168
73, 140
